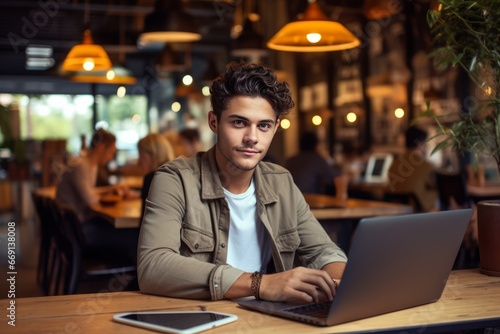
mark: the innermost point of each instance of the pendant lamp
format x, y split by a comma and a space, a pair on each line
313, 33
170, 60
249, 44
86, 56
118, 74
169, 23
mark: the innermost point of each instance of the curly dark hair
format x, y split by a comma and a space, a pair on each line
253, 80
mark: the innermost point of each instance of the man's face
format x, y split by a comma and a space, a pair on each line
244, 133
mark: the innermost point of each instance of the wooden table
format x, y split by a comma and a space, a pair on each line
127, 213
326, 207
124, 214
487, 190
470, 300
375, 190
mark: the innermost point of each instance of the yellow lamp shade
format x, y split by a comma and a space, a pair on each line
86, 56
314, 33
169, 36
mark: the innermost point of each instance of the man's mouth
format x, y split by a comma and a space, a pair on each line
249, 152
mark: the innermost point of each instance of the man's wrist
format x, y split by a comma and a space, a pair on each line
255, 284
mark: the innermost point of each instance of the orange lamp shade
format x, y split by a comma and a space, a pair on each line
314, 33
87, 56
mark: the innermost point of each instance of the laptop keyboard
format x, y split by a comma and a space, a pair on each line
318, 310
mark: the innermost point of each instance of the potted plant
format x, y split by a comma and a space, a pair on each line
18, 168
467, 34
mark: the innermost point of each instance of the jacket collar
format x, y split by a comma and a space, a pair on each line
211, 186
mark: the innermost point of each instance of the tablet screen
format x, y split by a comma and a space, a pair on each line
177, 321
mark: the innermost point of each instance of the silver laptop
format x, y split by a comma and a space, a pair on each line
394, 263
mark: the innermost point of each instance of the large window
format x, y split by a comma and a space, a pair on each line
126, 117
71, 116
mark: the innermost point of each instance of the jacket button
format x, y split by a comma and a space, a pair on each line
223, 245
196, 246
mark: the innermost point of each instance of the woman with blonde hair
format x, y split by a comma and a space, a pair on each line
154, 151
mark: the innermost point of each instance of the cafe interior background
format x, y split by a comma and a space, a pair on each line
357, 100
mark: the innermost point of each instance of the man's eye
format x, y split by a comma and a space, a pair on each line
238, 122
265, 126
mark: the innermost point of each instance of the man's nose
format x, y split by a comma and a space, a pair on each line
251, 135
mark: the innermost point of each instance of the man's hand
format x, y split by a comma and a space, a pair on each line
299, 285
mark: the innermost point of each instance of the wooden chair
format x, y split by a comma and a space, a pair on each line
452, 187
452, 190
78, 262
47, 257
53, 161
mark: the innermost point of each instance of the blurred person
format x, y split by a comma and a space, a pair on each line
224, 224
174, 140
410, 172
311, 172
190, 140
77, 189
154, 151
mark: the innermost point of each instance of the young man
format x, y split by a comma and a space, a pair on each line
412, 173
215, 222
310, 170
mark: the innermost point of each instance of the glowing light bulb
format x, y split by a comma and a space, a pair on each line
317, 120
351, 117
399, 112
88, 65
121, 91
313, 37
205, 91
285, 123
110, 75
176, 106
187, 80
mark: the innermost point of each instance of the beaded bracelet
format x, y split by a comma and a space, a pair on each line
255, 287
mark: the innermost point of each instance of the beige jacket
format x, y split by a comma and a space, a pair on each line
183, 241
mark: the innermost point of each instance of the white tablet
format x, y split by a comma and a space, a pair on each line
377, 168
176, 322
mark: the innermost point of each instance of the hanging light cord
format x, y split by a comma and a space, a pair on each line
86, 15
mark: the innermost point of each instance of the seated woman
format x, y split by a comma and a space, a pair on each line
77, 189
154, 151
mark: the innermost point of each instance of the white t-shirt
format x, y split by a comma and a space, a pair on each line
248, 246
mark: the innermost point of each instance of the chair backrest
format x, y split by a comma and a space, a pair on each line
42, 211
404, 198
53, 159
452, 186
70, 242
